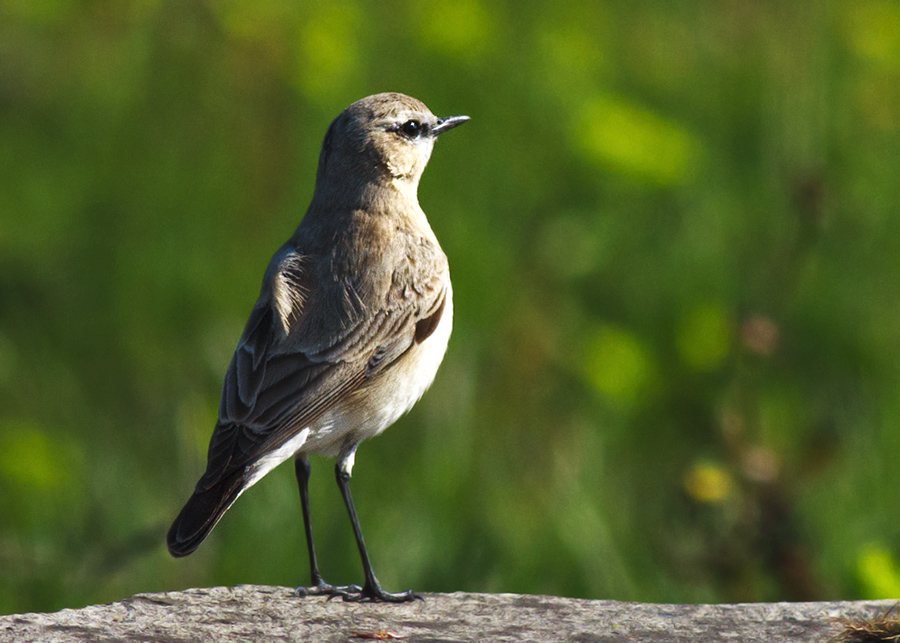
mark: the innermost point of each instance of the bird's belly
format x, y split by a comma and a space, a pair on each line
378, 405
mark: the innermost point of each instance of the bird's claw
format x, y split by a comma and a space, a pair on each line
374, 594
331, 591
357, 594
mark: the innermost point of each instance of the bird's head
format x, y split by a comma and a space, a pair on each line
382, 138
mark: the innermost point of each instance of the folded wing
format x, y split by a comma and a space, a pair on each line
283, 377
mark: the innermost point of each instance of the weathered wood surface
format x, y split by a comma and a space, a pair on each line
258, 613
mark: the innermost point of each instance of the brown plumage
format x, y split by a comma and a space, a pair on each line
351, 324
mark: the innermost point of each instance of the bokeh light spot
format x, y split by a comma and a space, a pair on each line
877, 571
634, 140
708, 482
619, 366
704, 336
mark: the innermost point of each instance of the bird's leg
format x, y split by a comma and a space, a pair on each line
371, 590
318, 585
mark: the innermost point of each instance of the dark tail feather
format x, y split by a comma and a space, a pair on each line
201, 513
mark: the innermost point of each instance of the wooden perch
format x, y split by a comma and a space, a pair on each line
259, 613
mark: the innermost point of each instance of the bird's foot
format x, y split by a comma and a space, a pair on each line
374, 594
357, 594
321, 588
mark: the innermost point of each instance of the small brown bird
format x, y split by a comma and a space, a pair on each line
348, 332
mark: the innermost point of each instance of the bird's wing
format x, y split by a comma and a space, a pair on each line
283, 376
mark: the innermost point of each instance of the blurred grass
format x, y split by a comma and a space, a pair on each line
675, 246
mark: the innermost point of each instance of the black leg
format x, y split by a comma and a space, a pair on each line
371, 591
318, 585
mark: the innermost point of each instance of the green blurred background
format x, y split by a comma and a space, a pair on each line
675, 247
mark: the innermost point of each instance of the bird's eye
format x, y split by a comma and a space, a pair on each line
411, 128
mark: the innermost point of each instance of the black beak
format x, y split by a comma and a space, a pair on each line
447, 123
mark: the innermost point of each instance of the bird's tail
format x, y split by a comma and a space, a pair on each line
201, 513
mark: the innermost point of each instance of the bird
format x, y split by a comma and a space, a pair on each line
352, 322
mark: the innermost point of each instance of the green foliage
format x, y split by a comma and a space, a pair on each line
675, 247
